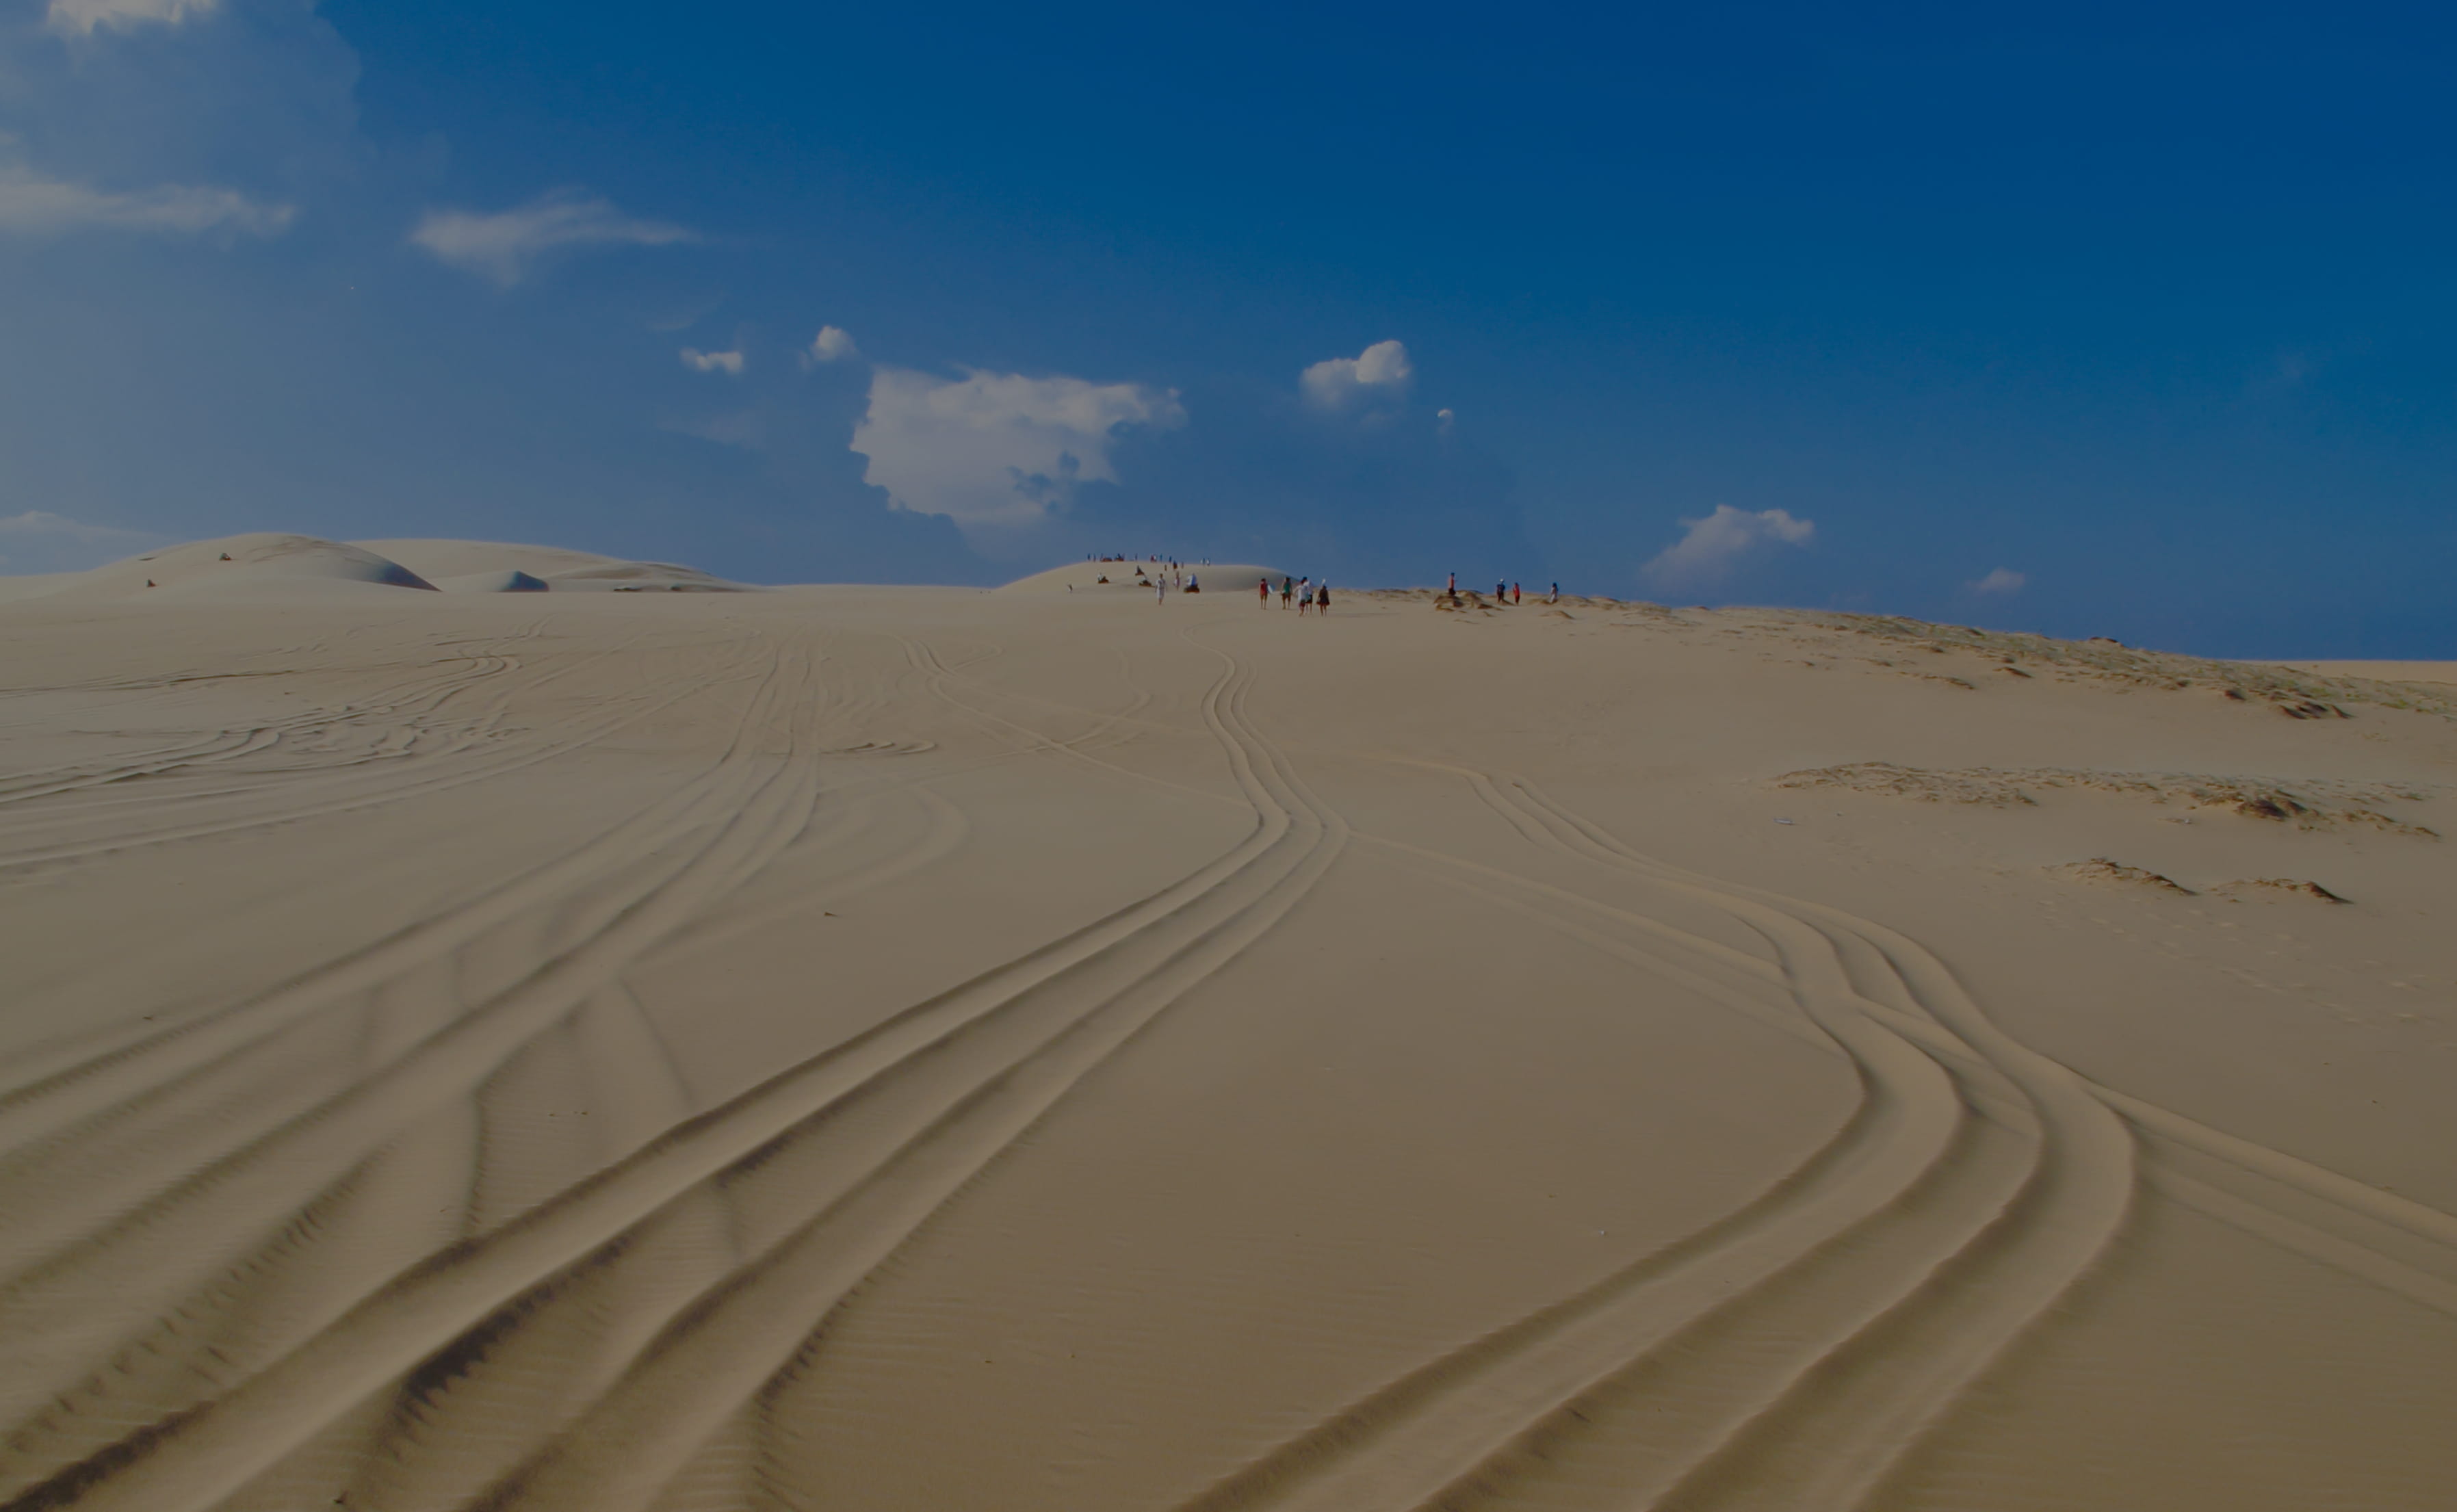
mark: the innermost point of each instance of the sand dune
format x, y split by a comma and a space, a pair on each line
473, 566
236, 565
900, 1048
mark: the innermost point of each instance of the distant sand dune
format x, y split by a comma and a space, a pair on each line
1068, 1050
1087, 577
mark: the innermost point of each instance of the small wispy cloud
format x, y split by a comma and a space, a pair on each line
39, 540
44, 522
2001, 582
699, 362
33, 205
81, 17
1382, 371
1710, 547
504, 246
745, 429
833, 344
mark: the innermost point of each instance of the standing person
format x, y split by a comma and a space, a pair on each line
1160, 589
1263, 592
1305, 599
1556, 595
1514, 594
1453, 588
1501, 592
1287, 589
1322, 598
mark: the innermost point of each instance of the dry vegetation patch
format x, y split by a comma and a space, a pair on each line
2277, 887
2309, 803
2100, 872
2296, 694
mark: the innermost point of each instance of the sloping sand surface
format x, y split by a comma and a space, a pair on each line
1082, 577
232, 565
490, 567
2423, 672
930, 1048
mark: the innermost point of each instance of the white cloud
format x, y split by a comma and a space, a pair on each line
1382, 371
2003, 580
39, 540
80, 17
43, 522
503, 245
1709, 547
31, 205
994, 451
833, 344
699, 362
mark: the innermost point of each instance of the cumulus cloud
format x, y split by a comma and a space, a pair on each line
1381, 372
998, 450
80, 17
833, 344
1710, 547
699, 362
39, 540
2002, 581
504, 246
33, 205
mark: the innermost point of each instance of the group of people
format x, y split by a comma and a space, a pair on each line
1306, 595
1310, 596
1504, 592
1163, 575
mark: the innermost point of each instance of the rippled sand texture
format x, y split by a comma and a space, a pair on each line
921, 1048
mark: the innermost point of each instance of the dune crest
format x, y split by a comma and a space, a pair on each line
235, 564
1087, 577
557, 568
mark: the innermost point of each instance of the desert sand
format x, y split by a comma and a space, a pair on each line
660, 1047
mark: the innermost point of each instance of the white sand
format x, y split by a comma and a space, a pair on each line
1047, 1049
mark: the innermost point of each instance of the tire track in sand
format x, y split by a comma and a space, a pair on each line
75, 1078
74, 1306
1963, 1282
1846, 1418
416, 696
355, 794
1728, 1322
1082, 995
769, 1320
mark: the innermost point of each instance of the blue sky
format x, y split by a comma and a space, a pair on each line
2133, 320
